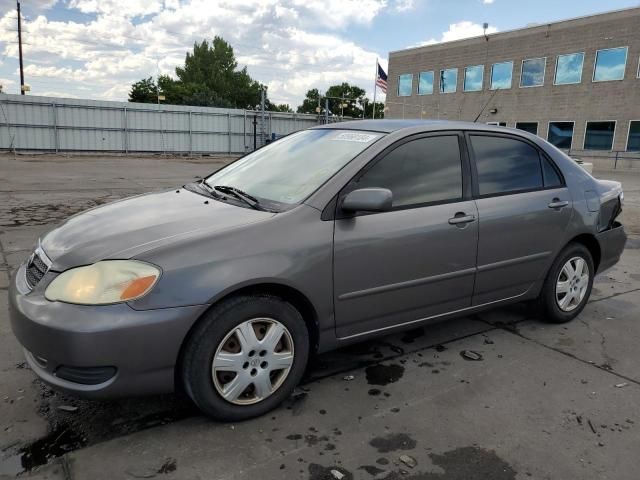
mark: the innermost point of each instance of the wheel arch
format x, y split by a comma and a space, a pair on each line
591, 243
282, 291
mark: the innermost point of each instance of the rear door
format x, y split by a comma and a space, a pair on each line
417, 260
524, 208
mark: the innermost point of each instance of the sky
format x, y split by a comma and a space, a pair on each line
97, 48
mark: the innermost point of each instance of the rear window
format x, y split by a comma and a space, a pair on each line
505, 165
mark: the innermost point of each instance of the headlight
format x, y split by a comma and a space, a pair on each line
110, 281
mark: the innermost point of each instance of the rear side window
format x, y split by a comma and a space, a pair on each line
551, 177
426, 170
505, 165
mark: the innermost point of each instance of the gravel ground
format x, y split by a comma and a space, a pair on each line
540, 401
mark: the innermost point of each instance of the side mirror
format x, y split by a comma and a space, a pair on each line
368, 200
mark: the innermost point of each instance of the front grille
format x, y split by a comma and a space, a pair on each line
36, 268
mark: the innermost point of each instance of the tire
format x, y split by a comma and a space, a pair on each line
558, 306
224, 334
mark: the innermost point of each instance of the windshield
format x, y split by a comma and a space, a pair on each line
291, 169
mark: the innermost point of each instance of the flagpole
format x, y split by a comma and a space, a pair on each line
375, 89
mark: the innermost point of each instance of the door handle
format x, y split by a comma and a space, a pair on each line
461, 218
557, 203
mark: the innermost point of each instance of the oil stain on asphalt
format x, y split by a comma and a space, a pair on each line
384, 374
393, 442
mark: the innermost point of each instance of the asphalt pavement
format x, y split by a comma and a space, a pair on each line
500, 395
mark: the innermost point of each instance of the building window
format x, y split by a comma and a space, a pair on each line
633, 142
497, 124
473, 77
448, 80
560, 134
501, 74
569, 69
531, 127
599, 135
532, 74
610, 64
405, 85
425, 83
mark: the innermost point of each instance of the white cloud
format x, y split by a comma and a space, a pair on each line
403, 5
458, 31
128, 8
289, 45
487, 2
6, 5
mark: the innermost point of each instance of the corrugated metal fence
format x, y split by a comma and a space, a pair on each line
31, 123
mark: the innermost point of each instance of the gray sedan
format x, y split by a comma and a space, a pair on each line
329, 236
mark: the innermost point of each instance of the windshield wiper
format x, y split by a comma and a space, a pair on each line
250, 200
205, 186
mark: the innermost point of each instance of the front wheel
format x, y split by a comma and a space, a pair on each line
568, 285
245, 357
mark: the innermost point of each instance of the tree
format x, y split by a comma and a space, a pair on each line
310, 102
209, 77
355, 102
283, 107
379, 110
144, 91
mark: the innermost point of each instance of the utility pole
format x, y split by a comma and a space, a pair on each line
20, 49
263, 126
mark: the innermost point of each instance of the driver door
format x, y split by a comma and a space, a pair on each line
417, 260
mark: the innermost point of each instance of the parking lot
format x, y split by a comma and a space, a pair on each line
535, 400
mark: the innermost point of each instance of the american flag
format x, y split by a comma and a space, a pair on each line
381, 79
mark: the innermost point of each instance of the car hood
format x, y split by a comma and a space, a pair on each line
134, 225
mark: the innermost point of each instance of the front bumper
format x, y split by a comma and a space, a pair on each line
612, 244
142, 345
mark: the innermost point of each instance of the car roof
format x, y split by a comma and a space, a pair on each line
388, 126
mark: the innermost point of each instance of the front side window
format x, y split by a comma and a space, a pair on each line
292, 168
448, 80
533, 72
610, 64
599, 135
473, 77
531, 127
426, 170
633, 142
501, 74
425, 83
505, 165
560, 134
569, 69
405, 85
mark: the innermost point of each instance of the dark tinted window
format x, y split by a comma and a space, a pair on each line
599, 135
420, 171
531, 127
560, 134
505, 165
551, 176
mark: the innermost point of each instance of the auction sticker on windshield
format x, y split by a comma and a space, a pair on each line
355, 137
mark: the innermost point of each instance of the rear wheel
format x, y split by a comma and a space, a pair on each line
568, 284
245, 357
